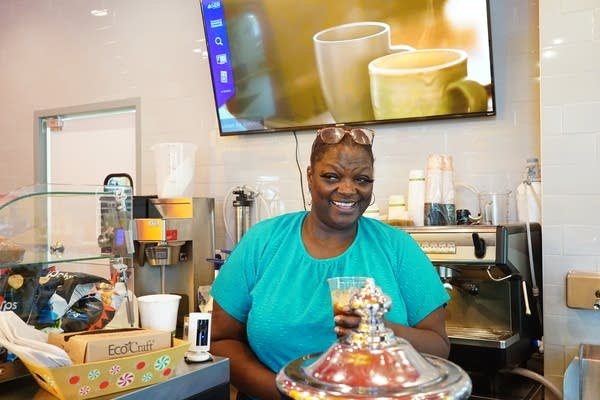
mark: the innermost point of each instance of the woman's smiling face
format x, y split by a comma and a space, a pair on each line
341, 184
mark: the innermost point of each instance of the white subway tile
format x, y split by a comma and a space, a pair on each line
581, 117
552, 241
554, 299
576, 209
571, 88
569, 149
554, 359
556, 267
574, 27
581, 240
570, 179
569, 6
556, 330
559, 59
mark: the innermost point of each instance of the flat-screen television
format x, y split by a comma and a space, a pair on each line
286, 65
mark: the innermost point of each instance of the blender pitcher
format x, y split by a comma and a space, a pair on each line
494, 208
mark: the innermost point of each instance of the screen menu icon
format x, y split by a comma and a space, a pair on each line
216, 40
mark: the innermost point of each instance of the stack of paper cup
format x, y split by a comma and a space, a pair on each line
448, 189
439, 191
433, 191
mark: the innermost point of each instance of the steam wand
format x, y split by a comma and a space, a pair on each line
121, 269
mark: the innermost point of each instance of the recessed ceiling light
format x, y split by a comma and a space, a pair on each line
99, 13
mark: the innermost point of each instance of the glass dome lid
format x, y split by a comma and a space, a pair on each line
372, 363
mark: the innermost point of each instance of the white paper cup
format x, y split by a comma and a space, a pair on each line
159, 311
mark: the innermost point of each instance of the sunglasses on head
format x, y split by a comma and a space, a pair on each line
335, 134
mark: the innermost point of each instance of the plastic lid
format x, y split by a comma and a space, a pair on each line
416, 174
434, 161
397, 200
447, 162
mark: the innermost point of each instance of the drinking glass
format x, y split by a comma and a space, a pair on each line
342, 288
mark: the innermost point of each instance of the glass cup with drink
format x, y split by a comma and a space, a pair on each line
342, 288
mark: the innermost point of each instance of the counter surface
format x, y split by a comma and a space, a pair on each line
190, 381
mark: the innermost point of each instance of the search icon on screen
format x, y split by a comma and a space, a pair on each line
218, 41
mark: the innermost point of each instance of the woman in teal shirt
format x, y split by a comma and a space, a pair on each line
271, 298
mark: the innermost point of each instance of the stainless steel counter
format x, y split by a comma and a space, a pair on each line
202, 381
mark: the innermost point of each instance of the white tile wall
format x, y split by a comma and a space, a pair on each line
54, 54
570, 102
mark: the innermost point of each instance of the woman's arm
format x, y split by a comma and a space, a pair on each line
248, 374
428, 336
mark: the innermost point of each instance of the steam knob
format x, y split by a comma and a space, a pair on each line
470, 288
479, 245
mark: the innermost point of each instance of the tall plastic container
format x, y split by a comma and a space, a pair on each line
175, 167
529, 194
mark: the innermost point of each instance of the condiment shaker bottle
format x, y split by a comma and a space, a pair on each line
397, 211
416, 196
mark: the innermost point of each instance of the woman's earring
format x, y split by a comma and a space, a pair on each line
372, 199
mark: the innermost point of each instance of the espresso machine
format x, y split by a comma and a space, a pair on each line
494, 277
173, 239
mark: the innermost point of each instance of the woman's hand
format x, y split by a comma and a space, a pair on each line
346, 322
428, 336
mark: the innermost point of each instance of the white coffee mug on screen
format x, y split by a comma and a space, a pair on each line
343, 53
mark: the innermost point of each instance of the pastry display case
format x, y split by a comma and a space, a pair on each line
63, 239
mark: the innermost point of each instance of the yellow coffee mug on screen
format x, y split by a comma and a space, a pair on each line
423, 83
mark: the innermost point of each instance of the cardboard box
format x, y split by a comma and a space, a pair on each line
101, 378
84, 347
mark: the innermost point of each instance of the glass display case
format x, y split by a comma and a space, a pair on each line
50, 234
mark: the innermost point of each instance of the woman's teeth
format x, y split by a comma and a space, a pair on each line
344, 204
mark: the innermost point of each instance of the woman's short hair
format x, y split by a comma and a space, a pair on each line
319, 148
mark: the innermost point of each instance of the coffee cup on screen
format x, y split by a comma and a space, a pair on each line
423, 83
343, 53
